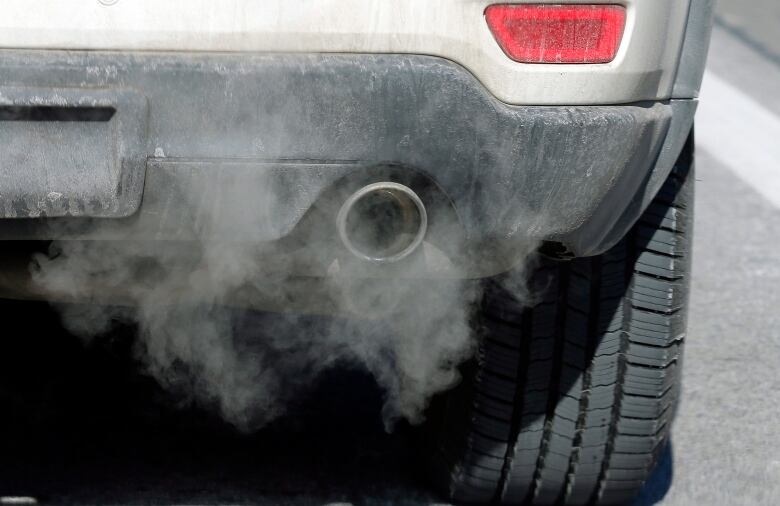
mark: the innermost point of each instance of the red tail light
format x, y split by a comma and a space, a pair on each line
547, 33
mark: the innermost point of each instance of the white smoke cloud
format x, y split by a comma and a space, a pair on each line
409, 331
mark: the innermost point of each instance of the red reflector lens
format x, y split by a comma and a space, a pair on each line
547, 33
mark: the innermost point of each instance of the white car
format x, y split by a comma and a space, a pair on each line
436, 139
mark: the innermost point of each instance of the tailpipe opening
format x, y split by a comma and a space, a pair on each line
382, 222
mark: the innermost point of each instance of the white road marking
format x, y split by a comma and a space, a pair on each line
740, 133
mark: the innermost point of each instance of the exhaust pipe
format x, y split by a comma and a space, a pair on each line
382, 222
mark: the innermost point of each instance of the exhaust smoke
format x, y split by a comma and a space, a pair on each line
197, 342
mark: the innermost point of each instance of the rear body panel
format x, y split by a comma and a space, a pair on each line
644, 68
236, 121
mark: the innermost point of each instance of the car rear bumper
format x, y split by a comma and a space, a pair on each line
261, 147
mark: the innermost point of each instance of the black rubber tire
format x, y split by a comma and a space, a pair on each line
570, 401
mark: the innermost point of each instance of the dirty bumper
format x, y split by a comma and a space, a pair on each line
246, 147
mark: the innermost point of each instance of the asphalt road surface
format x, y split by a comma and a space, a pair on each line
81, 428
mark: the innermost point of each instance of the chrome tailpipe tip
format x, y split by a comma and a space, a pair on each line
382, 222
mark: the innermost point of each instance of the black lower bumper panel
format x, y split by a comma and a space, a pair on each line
220, 146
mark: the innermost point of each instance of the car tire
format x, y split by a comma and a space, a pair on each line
570, 401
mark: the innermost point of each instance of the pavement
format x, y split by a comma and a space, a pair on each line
726, 449
112, 445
